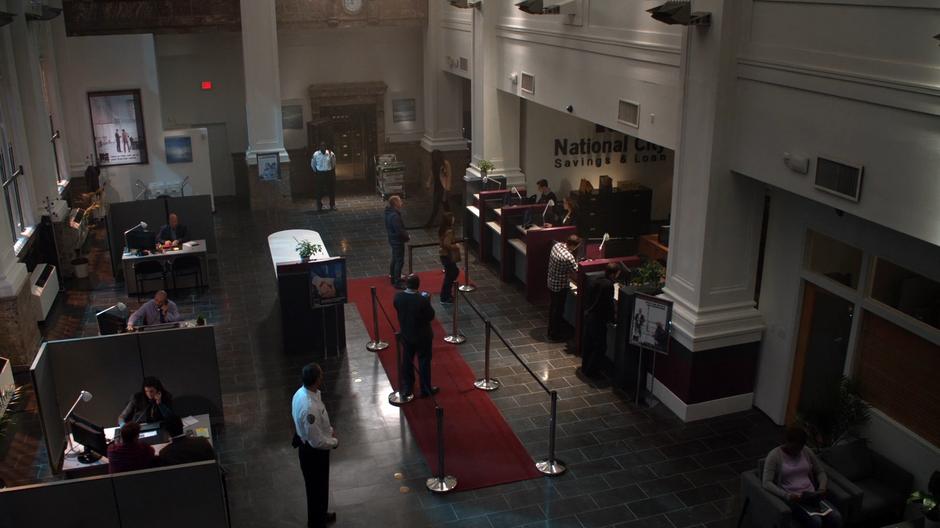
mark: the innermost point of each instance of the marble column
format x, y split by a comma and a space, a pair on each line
442, 91
496, 114
263, 102
714, 239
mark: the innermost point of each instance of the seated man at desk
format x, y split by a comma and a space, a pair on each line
173, 232
152, 404
183, 448
545, 193
129, 453
158, 310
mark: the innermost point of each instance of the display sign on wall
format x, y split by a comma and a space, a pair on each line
403, 111
179, 149
269, 166
327, 282
651, 323
292, 117
600, 151
117, 124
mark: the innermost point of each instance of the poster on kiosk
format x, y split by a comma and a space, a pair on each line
327, 282
650, 323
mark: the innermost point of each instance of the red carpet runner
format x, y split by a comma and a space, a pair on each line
479, 446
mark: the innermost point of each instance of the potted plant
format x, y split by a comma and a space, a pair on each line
200, 320
485, 167
928, 501
305, 248
834, 419
649, 277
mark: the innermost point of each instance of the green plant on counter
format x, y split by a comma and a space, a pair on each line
200, 320
486, 166
12, 399
928, 504
832, 421
305, 248
651, 273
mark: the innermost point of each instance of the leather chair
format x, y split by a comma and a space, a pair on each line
882, 485
765, 510
187, 266
149, 270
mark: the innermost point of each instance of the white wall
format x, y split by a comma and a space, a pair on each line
389, 54
117, 62
543, 125
199, 171
618, 53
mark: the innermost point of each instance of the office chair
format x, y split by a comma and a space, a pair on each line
148, 270
187, 266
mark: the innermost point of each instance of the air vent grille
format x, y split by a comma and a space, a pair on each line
464, 63
527, 83
839, 179
628, 113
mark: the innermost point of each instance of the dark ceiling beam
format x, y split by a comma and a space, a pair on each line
106, 17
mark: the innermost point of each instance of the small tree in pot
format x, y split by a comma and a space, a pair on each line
928, 501
649, 277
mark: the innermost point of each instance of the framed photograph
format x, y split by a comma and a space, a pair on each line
117, 126
269, 166
292, 117
651, 323
403, 110
179, 149
328, 282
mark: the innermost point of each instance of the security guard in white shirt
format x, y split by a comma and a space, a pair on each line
313, 438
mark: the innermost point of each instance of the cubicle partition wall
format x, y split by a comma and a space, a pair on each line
112, 368
183, 495
195, 212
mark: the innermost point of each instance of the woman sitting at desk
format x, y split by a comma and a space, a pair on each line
569, 218
152, 404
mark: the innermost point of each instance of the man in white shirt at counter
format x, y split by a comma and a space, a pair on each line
314, 438
323, 164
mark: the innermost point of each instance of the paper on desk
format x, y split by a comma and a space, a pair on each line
189, 420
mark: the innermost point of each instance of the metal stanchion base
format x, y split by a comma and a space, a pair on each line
441, 484
375, 346
398, 399
455, 339
467, 287
490, 384
551, 467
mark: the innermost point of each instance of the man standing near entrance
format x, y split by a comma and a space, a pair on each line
324, 175
600, 312
314, 439
397, 237
417, 337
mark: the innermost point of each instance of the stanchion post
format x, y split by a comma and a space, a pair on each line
466, 286
442, 483
486, 382
455, 337
411, 255
376, 344
396, 398
552, 466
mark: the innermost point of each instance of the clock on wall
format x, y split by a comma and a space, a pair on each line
353, 7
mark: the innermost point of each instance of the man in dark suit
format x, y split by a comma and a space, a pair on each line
182, 448
174, 232
414, 319
599, 312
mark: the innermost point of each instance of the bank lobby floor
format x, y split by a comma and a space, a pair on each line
628, 466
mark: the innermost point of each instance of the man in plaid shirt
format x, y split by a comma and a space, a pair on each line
561, 264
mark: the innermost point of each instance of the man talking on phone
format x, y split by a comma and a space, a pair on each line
158, 310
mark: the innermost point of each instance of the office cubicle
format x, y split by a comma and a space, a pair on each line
184, 495
195, 212
112, 368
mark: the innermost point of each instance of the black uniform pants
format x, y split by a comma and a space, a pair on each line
422, 349
595, 344
557, 329
315, 466
325, 186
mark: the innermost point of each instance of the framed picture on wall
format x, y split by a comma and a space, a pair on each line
179, 149
651, 323
269, 166
292, 117
404, 110
117, 126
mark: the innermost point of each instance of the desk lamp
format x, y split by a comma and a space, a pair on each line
83, 396
141, 224
516, 192
604, 241
551, 203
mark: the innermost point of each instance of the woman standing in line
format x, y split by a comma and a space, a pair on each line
440, 180
450, 256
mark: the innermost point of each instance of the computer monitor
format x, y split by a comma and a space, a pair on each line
89, 435
112, 320
620, 247
140, 239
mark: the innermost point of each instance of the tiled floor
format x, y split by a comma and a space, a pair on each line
629, 466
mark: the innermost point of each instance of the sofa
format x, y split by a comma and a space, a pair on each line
879, 487
765, 510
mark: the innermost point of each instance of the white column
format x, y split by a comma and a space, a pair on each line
716, 215
262, 79
442, 92
496, 114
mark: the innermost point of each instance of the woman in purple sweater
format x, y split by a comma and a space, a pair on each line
793, 473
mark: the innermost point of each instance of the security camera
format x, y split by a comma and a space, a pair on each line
532, 7
679, 12
570, 109
466, 4
557, 7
